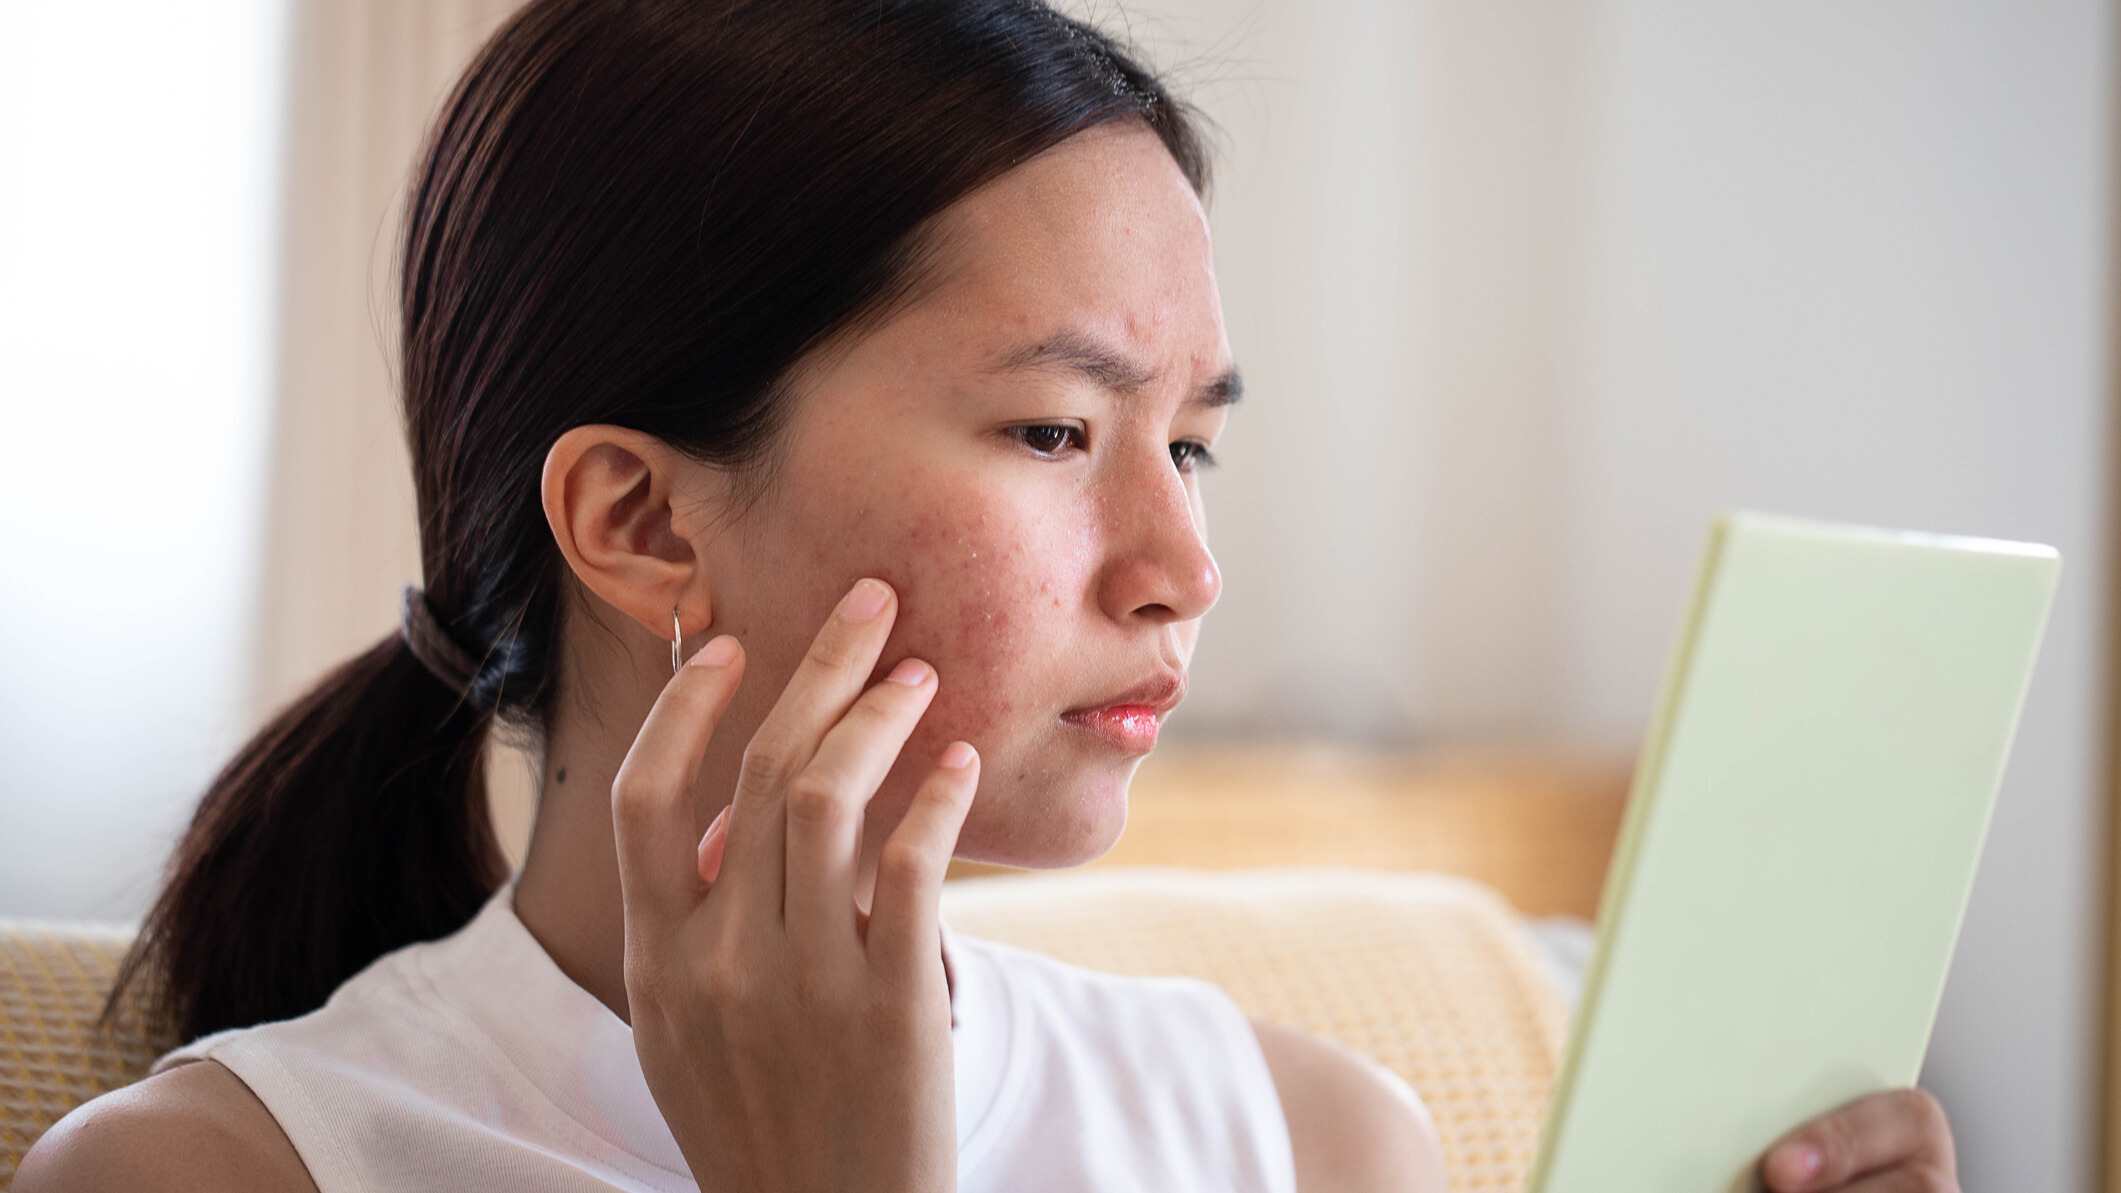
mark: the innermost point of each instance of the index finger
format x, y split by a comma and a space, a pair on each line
651, 797
825, 685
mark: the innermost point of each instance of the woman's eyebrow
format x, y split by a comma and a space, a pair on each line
1223, 391
1085, 356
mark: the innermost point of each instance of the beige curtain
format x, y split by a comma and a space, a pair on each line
365, 77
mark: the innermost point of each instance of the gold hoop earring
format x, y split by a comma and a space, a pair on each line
676, 636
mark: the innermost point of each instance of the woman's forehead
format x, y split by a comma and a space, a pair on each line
1100, 237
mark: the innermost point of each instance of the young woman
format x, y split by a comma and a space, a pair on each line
862, 355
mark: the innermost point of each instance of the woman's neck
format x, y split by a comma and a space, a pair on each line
568, 894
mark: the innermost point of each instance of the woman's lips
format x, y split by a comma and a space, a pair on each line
1129, 727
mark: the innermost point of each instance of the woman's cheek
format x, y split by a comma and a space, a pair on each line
989, 596
989, 593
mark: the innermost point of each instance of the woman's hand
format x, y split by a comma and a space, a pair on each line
1892, 1142
791, 1042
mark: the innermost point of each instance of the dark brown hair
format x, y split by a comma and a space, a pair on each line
636, 212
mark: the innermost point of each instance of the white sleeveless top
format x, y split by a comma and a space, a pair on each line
472, 1063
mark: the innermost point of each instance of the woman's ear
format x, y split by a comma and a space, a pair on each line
607, 494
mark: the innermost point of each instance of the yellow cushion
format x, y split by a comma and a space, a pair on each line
1429, 974
1432, 975
53, 1054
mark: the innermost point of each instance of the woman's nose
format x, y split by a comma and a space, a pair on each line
1158, 566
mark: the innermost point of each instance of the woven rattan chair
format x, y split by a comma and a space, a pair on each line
1431, 975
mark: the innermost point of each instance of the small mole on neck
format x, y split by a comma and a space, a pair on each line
561, 777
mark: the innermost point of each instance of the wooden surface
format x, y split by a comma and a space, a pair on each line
1536, 824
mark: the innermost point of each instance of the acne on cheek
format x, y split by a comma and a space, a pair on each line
985, 586
992, 585
951, 578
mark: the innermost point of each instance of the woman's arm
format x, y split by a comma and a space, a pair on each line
192, 1129
1353, 1124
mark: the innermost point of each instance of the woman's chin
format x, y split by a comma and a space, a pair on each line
1038, 826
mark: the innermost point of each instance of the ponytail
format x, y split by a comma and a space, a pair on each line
353, 824
642, 213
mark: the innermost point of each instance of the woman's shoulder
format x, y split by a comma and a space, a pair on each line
192, 1127
1353, 1124
209, 1114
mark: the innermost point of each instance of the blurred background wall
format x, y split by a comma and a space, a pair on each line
1529, 289
1524, 291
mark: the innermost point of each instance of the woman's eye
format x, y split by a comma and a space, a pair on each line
1189, 454
1048, 439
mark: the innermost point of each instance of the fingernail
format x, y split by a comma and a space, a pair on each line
719, 652
1803, 1157
909, 672
956, 756
866, 601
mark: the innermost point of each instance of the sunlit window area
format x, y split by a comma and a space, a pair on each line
138, 219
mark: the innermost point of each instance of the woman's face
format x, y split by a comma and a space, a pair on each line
1016, 452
